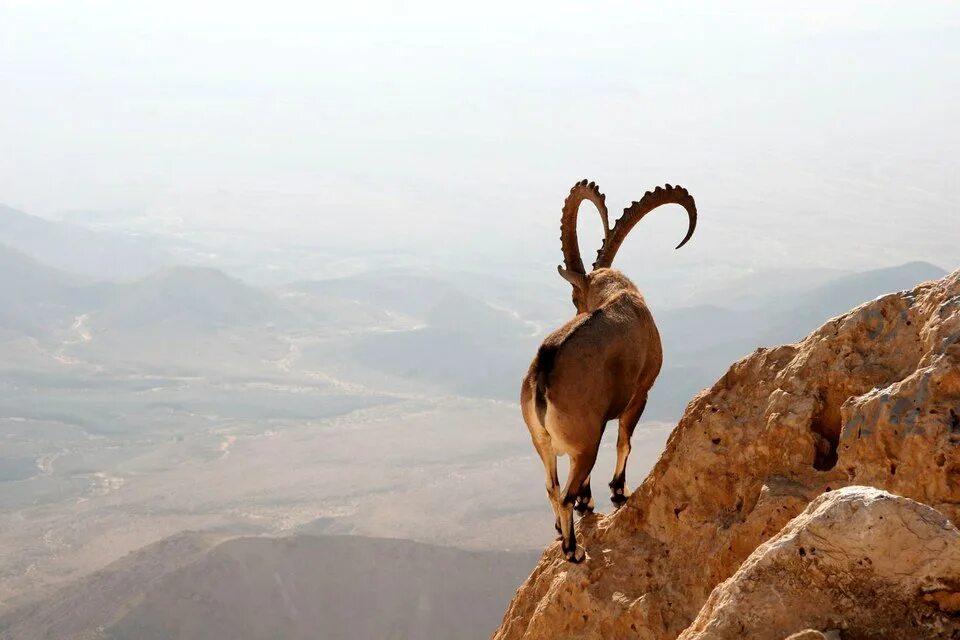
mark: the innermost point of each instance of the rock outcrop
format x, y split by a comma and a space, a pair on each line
870, 398
858, 562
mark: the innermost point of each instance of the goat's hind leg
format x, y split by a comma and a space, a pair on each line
628, 422
544, 447
549, 459
581, 464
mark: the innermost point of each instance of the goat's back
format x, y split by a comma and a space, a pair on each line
594, 364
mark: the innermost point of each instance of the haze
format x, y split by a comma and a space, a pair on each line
813, 135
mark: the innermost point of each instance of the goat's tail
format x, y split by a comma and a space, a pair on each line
546, 357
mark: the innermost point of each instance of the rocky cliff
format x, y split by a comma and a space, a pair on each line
742, 529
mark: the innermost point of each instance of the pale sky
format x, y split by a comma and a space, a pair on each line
819, 133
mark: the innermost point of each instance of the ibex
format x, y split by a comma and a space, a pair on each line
598, 366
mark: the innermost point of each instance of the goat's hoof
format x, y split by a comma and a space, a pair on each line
584, 508
619, 497
576, 556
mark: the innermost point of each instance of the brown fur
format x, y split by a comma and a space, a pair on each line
592, 369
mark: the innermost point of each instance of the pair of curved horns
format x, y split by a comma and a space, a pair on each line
614, 237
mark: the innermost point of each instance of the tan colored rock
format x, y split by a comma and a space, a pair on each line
857, 558
872, 397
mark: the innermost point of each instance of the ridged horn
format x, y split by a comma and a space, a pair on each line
635, 212
581, 191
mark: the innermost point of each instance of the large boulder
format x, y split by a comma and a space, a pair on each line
858, 562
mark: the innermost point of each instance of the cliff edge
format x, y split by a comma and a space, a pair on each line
871, 398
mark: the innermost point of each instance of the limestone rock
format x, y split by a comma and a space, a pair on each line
859, 559
870, 398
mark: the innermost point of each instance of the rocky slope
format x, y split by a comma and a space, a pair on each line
870, 398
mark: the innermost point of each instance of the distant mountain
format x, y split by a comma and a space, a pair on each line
762, 287
431, 334
197, 587
837, 296
525, 292
35, 298
187, 297
406, 294
104, 255
402, 331
784, 315
466, 347
461, 344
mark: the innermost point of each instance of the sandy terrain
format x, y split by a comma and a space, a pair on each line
364, 472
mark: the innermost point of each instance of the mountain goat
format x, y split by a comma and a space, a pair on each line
598, 366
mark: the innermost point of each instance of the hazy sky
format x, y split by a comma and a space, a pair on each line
821, 133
